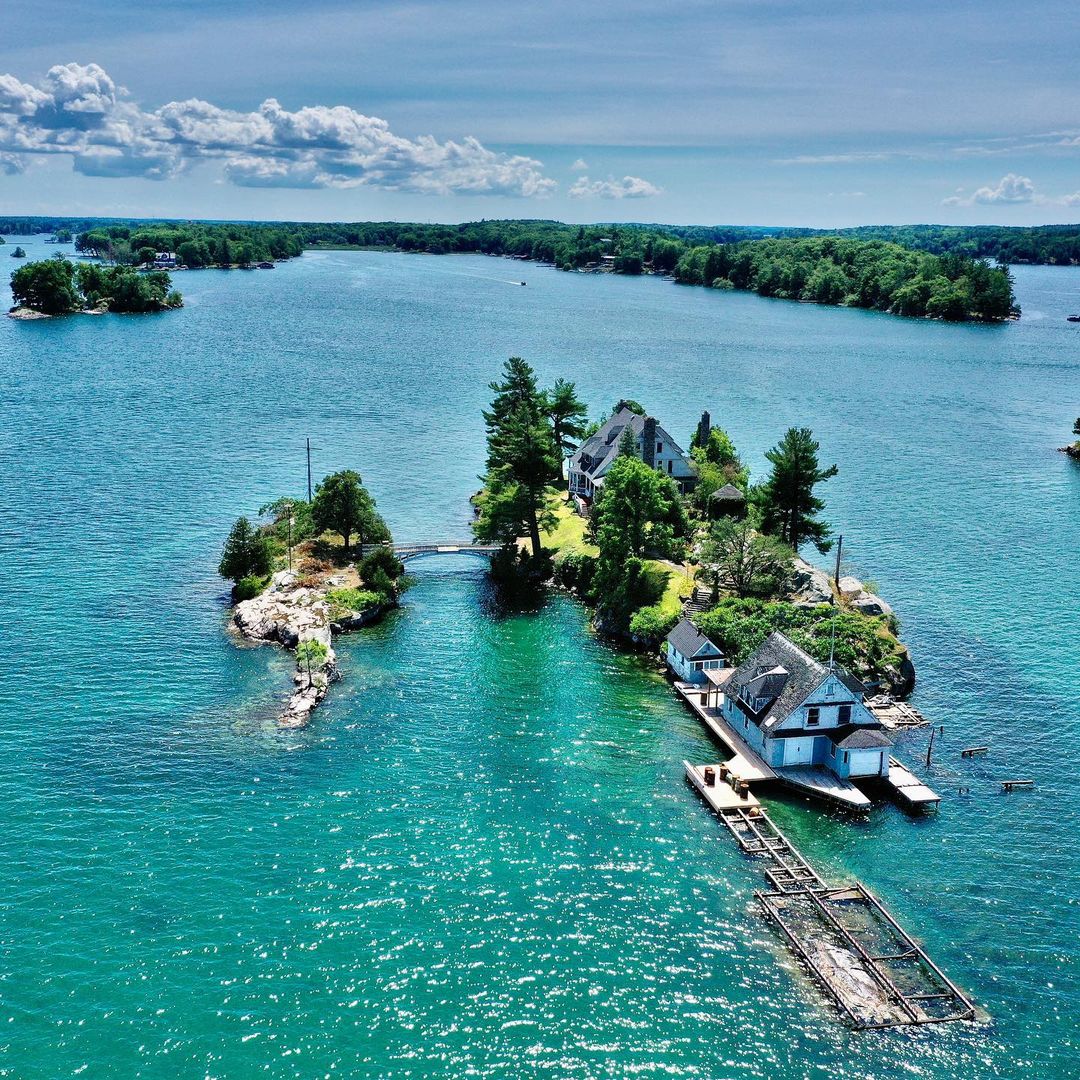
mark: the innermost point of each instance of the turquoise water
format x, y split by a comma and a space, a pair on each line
481, 858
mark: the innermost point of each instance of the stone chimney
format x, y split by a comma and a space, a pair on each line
648, 442
703, 428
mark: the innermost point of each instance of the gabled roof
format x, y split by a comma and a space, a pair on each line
785, 676
686, 638
728, 493
602, 448
850, 737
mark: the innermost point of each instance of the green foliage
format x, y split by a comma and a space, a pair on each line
56, 286
523, 462
628, 403
250, 587
343, 505
47, 286
345, 602
864, 644
311, 654
622, 589
303, 526
1076, 426
786, 500
575, 570
520, 574
381, 559
857, 273
246, 553
736, 557
653, 623
566, 413
718, 463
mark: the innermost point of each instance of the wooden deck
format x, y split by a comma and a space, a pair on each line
909, 790
720, 795
745, 762
822, 783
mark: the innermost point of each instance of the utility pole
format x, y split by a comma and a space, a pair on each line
839, 548
309, 469
930, 746
288, 510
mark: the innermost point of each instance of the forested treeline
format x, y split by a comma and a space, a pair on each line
856, 273
922, 270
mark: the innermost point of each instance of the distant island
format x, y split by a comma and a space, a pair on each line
57, 286
1073, 448
922, 271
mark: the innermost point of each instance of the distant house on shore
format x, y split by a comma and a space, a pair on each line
164, 260
591, 461
690, 653
794, 710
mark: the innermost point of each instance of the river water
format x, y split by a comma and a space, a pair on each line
481, 859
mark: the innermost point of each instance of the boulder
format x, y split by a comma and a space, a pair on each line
850, 586
809, 585
870, 604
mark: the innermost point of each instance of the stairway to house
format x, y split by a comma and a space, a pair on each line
698, 601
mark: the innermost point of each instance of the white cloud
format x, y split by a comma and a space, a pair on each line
80, 111
581, 165
11, 164
629, 187
1071, 200
1011, 190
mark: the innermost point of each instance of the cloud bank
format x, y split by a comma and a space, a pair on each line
1010, 190
78, 110
629, 187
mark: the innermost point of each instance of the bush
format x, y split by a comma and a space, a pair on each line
574, 570
381, 559
379, 581
651, 624
343, 602
250, 587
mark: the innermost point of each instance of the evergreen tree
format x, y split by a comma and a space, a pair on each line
628, 443
522, 461
567, 414
246, 553
787, 502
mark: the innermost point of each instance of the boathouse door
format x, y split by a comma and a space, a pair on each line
798, 751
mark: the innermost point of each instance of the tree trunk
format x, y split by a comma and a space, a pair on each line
345, 536
534, 531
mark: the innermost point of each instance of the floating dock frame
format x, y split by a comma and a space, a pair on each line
875, 973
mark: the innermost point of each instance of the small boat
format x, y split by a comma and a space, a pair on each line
1072, 318
524, 283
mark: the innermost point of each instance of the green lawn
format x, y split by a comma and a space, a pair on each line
569, 532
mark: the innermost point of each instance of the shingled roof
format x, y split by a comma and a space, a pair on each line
687, 639
783, 676
595, 455
860, 738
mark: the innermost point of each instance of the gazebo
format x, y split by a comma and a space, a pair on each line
727, 501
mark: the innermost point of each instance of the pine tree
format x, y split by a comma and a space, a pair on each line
788, 505
567, 414
246, 553
522, 461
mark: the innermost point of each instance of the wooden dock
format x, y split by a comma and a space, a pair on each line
895, 714
875, 973
745, 762
717, 790
909, 790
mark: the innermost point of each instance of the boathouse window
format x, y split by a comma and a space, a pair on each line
813, 716
670, 465
659, 447
844, 714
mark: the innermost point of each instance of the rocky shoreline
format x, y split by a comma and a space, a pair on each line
1072, 450
291, 611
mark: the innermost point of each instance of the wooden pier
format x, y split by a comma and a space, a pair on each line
895, 714
875, 973
909, 790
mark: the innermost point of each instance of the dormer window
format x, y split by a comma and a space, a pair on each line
813, 716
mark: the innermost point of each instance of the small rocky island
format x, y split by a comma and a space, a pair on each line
297, 580
1073, 448
58, 286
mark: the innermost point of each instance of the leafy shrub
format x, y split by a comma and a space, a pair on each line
381, 559
249, 587
575, 570
344, 602
652, 623
864, 644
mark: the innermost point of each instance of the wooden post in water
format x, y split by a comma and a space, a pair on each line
930, 745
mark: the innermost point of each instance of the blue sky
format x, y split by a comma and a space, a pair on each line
716, 112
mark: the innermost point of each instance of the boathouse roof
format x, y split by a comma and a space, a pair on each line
687, 639
777, 677
850, 737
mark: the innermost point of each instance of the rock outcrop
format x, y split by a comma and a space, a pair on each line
288, 613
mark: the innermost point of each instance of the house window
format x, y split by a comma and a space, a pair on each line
813, 716
844, 714
832, 749
670, 465
845, 757
659, 447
